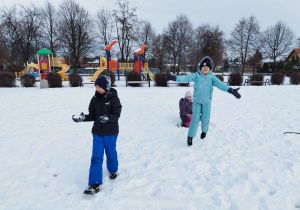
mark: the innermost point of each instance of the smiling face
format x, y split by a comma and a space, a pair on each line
205, 70
100, 90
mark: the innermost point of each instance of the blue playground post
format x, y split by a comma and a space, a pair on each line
140, 58
118, 70
107, 55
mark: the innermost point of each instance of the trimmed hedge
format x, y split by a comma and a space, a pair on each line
54, 80
133, 76
257, 78
277, 78
7, 79
235, 79
27, 80
75, 80
160, 80
289, 73
295, 78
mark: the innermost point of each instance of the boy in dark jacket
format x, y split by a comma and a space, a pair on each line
104, 110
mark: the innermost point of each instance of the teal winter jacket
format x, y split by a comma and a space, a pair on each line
203, 87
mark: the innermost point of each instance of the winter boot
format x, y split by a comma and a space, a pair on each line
190, 141
203, 135
113, 175
92, 189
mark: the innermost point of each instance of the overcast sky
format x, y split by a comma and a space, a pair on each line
225, 13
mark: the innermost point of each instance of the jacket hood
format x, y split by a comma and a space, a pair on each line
211, 61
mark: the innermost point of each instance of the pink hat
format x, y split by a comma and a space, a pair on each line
188, 93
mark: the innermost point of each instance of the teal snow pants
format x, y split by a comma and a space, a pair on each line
200, 112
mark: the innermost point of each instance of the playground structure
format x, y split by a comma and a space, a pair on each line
61, 73
31, 68
103, 65
45, 65
113, 65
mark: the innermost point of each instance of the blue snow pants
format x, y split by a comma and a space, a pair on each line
200, 112
101, 143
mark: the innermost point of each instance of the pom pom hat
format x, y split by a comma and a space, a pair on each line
188, 93
206, 61
104, 82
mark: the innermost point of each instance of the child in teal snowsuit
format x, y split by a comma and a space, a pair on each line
203, 91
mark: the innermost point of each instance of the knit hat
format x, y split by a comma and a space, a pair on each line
104, 82
188, 93
205, 62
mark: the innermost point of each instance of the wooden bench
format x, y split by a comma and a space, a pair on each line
138, 82
179, 83
247, 81
83, 83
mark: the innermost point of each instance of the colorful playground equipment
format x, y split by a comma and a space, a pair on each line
114, 65
44, 64
61, 73
103, 65
32, 68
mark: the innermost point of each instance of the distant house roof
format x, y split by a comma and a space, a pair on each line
294, 50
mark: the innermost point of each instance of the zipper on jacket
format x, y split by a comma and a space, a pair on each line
203, 88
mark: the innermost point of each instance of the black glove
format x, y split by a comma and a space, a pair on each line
78, 118
104, 118
234, 92
170, 77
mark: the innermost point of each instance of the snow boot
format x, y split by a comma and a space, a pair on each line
113, 175
203, 135
190, 141
92, 189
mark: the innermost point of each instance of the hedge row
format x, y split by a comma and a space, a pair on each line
8, 79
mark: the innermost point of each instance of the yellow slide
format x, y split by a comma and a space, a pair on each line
64, 68
96, 74
24, 71
103, 65
146, 69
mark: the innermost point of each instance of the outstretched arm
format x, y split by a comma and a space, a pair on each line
219, 84
183, 78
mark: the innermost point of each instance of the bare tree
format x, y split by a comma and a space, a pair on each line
255, 59
104, 26
244, 38
23, 30
159, 51
278, 40
74, 27
178, 36
209, 41
146, 37
126, 27
50, 30
4, 53
298, 42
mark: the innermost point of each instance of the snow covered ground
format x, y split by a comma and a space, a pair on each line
245, 162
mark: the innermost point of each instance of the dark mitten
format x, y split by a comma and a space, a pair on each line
104, 118
78, 118
234, 92
170, 77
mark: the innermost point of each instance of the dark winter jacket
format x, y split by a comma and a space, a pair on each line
105, 105
185, 107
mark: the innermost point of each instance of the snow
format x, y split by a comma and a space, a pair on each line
245, 162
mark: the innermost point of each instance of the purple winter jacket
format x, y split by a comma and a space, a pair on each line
185, 107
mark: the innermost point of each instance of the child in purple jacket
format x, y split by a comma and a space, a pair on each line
186, 109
